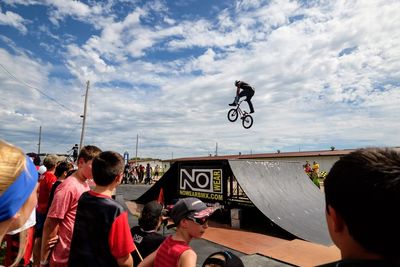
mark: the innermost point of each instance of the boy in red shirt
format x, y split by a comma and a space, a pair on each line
60, 219
101, 234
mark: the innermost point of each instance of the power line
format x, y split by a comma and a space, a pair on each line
37, 89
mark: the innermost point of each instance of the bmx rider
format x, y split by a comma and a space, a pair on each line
247, 91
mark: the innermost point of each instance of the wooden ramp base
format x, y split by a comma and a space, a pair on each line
295, 252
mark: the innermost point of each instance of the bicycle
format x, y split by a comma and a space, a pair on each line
233, 114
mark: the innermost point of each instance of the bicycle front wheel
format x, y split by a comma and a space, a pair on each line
247, 121
233, 115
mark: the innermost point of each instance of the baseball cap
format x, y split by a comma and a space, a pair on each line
190, 207
230, 259
42, 169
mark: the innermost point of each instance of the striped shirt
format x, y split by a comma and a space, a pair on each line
169, 253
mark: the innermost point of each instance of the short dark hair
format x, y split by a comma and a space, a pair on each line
89, 152
364, 189
62, 167
35, 157
106, 166
150, 215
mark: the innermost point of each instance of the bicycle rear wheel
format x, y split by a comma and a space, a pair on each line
233, 115
247, 121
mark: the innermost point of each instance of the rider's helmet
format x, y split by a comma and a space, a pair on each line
237, 82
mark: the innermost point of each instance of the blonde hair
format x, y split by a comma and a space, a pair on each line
12, 163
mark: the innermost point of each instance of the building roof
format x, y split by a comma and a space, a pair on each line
270, 155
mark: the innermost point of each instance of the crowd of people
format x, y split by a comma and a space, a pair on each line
314, 172
135, 174
84, 226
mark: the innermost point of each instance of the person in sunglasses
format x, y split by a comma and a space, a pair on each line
190, 217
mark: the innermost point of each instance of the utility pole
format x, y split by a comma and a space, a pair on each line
40, 139
84, 116
216, 149
137, 142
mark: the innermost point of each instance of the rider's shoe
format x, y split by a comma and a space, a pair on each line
252, 111
232, 104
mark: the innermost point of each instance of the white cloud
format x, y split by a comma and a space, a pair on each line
309, 92
12, 19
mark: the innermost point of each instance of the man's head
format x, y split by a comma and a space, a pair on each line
362, 193
150, 218
35, 158
50, 162
107, 167
190, 208
63, 168
85, 158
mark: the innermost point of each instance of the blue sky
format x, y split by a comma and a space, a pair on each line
326, 73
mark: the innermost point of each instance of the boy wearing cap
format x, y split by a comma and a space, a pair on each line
101, 234
190, 216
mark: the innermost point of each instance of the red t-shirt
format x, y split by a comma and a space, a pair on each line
64, 207
169, 252
44, 191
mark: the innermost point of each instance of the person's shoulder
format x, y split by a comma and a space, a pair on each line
68, 183
49, 176
112, 205
188, 257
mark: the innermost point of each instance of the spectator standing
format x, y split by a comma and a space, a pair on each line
101, 234
362, 196
62, 170
18, 197
61, 217
141, 173
156, 172
45, 185
148, 174
307, 168
315, 167
145, 235
190, 215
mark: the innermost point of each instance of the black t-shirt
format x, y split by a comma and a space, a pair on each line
146, 243
245, 86
99, 219
51, 196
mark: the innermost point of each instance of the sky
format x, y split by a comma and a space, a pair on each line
325, 73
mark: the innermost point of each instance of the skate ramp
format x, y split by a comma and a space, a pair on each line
286, 196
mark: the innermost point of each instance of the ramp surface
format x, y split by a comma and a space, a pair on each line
285, 194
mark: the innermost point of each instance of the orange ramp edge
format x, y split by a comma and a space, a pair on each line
295, 252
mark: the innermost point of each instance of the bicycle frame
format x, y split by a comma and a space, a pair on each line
239, 110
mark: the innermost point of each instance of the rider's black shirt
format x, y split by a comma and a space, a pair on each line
245, 86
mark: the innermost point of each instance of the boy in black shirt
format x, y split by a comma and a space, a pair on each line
101, 234
145, 235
